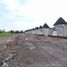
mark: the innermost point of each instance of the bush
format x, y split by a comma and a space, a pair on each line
17, 31
11, 31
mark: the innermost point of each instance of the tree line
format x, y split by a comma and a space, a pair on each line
11, 31
17, 31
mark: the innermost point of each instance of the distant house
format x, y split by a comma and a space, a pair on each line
38, 31
42, 30
45, 29
60, 28
30, 31
50, 31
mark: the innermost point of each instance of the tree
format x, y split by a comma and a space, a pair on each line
16, 31
11, 31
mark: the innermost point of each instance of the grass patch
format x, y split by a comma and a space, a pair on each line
6, 34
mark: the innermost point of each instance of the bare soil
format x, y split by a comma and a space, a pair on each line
36, 51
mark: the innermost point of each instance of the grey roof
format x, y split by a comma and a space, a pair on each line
36, 28
60, 21
40, 27
45, 26
29, 30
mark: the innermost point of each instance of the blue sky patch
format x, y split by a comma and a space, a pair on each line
22, 1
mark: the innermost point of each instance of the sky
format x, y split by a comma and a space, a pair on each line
27, 14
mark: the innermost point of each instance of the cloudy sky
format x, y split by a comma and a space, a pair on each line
26, 14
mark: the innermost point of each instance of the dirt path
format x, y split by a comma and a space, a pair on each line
36, 51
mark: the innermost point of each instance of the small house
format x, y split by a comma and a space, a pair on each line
50, 31
38, 31
60, 28
30, 31
45, 29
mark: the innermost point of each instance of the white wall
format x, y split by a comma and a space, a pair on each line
45, 31
60, 30
38, 31
50, 31
65, 31
54, 33
30, 32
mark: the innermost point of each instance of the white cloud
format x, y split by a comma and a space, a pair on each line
25, 10
11, 4
19, 15
48, 10
35, 12
17, 8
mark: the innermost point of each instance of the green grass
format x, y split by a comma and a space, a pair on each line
6, 34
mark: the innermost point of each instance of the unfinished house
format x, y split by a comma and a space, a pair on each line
60, 28
30, 31
51, 31
42, 30
45, 29
38, 31
35, 30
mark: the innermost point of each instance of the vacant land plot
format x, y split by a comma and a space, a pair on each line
35, 51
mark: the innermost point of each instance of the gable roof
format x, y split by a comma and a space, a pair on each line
29, 30
36, 27
60, 21
40, 27
45, 26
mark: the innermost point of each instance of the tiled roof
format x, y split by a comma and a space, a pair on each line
36, 27
60, 21
45, 26
40, 27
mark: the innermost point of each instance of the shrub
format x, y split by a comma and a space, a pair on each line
11, 31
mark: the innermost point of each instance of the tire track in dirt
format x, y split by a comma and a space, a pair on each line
32, 51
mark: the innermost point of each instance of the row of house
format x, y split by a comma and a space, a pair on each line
59, 29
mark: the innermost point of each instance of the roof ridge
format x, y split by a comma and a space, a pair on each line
45, 26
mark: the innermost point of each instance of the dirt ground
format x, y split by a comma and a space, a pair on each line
35, 51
